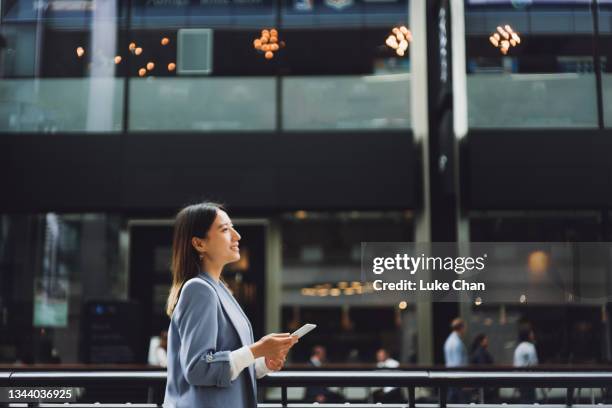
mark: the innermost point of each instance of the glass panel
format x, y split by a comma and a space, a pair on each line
532, 100
51, 266
57, 61
581, 339
202, 104
364, 82
605, 49
606, 89
205, 75
351, 102
530, 64
61, 104
321, 283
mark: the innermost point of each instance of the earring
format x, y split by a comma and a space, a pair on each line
201, 256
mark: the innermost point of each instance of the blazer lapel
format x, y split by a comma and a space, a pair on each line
241, 312
234, 313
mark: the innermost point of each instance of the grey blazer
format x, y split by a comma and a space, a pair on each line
207, 324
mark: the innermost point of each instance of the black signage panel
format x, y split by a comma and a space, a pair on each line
112, 333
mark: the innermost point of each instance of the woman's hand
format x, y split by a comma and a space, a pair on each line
274, 365
273, 346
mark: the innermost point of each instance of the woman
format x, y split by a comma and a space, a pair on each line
480, 350
212, 358
480, 355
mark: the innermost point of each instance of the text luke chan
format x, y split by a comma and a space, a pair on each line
435, 285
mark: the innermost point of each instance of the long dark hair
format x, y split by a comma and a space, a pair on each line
477, 340
192, 221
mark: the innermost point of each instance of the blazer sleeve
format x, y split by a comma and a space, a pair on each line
198, 328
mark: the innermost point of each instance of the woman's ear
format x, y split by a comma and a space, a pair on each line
198, 244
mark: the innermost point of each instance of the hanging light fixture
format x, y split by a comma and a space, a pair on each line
268, 43
504, 38
399, 39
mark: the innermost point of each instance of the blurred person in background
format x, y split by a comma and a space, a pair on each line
320, 394
455, 355
383, 360
525, 355
387, 394
479, 355
162, 349
158, 350
318, 356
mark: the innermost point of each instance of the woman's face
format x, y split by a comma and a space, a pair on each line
221, 244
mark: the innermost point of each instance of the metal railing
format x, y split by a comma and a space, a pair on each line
154, 382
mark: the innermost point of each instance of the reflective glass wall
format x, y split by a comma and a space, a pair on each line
203, 66
604, 21
52, 266
531, 64
566, 332
57, 66
321, 283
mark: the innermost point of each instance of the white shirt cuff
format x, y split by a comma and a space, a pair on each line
261, 369
239, 360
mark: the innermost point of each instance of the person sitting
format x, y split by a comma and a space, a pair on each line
480, 355
320, 394
387, 394
525, 355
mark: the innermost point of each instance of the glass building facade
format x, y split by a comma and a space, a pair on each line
114, 114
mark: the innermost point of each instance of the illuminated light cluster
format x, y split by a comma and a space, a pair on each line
268, 43
399, 40
504, 38
342, 288
149, 67
134, 49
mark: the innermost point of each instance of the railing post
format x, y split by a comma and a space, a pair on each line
284, 402
411, 397
569, 400
443, 393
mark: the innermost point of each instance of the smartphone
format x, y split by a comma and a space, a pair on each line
304, 329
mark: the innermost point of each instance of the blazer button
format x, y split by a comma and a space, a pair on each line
209, 358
